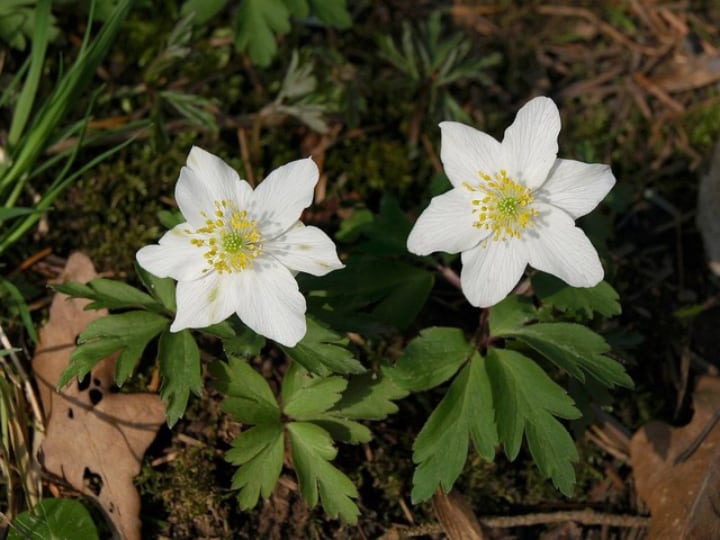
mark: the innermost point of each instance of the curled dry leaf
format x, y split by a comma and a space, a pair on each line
95, 437
679, 481
708, 218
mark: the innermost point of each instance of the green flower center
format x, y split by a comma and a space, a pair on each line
506, 207
231, 240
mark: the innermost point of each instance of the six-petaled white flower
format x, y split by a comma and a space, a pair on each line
239, 249
513, 203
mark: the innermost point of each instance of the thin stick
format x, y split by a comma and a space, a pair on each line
584, 517
27, 385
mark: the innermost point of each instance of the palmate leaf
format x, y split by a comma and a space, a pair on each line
430, 359
441, 448
512, 313
369, 397
310, 398
57, 519
256, 23
312, 451
526, 403
323, 351
179, 359
127, 332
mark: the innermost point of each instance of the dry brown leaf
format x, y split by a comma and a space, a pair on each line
95, 438
456, 517
683, 496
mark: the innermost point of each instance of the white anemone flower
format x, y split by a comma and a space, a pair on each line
513, 203
239, 249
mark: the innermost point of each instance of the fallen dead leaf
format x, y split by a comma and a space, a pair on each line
95, 437
682, 487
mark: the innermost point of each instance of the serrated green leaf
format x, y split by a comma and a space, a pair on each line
521, 387
323, 352
128, 332
576, 349
298, 8
441, 448
430, 359
256, 23
162, 289
511, 313
601, 298
312, 451
332, 12
369, 397
54, 519
342, 429
179, 359
306, 396
553, 450
249, 397
109, 294
259, 453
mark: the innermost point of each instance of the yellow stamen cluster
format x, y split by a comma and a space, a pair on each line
231, 240
506, 207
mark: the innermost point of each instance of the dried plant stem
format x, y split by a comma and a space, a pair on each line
25, 380
584, 517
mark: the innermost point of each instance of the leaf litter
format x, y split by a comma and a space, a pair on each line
677, 470
96, 437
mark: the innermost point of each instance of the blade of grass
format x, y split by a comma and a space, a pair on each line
27, 96
22, 307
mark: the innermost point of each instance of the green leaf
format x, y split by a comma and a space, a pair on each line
601, 298
368, 397
387, 292
352, 227
259, 453
430, 359
441, 448
109, 294
204, 10
323, 352
306, 396
342, 429
332, 12
56, 519
298, 8
312, 451
256, 22
13, 212
249, 397
526, 401
18, 301
128, 332
245, 344
179, 358
162, 289
511, 313
576, 349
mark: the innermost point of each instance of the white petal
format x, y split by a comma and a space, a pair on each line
271, 303
282, 196
305, 249
207, 179
491, 270
174, 257
576, 187
446, 225
466, 152
558, 247
530, 144
205, 301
